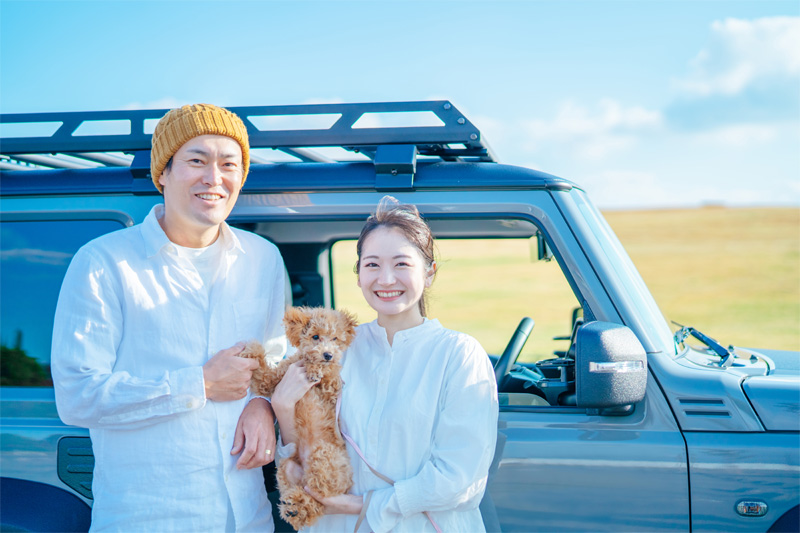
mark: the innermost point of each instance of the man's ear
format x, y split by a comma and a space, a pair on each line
296, 320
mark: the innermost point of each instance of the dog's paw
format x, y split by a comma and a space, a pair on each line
287, 509
299, 509
313, 375
253, 350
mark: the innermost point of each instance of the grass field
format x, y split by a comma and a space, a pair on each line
732, 273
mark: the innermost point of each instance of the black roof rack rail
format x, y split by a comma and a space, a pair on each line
452, 138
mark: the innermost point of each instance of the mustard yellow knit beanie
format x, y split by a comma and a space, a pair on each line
180, 125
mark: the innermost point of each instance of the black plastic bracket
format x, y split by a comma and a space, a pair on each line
140, 170
395, 166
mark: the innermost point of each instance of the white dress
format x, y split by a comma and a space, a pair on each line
424, 413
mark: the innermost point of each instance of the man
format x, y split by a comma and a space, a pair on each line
149, 323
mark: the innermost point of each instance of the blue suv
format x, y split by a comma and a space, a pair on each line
609, 420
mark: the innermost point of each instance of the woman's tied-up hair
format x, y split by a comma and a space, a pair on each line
406, 219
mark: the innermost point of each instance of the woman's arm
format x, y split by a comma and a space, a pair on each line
292, 387
341, 504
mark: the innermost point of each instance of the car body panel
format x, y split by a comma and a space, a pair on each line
571, 471
30, 433
728, 468
771, 397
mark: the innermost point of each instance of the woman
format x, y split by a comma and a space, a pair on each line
419, 401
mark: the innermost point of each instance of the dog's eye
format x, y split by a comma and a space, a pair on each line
335, 339
315, 337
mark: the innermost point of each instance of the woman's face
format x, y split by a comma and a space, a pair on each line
392, 275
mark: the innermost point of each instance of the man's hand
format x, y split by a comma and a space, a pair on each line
227, 376
255, 435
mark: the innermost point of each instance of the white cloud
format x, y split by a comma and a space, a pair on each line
792, 188
573, 120
620, 189
744, 53
626, 189
593, 133
498, 134
738, 135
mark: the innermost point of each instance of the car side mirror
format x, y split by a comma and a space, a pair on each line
610, 366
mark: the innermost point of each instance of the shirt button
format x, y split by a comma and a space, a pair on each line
189, 404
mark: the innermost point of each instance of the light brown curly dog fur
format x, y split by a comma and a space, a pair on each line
321, 337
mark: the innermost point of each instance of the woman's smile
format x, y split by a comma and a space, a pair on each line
388, 295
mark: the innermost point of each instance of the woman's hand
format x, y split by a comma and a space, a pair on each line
341, 504
293, 386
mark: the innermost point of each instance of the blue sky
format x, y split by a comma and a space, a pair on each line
644, 103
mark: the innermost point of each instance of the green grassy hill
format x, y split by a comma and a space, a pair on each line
732, 273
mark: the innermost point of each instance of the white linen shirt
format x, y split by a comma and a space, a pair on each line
133, 327
424, 413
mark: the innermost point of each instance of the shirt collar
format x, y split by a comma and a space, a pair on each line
428, 325
156, 240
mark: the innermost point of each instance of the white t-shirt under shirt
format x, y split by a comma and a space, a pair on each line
206, 260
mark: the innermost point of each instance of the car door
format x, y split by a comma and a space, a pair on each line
563, 469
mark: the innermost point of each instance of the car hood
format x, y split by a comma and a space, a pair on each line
784, 362
776, 396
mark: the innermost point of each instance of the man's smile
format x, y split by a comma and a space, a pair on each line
209, 196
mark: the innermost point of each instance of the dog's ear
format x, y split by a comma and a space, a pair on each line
296, 321
348, 324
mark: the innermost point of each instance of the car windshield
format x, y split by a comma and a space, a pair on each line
649, 318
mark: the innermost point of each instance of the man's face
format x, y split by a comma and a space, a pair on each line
200, 189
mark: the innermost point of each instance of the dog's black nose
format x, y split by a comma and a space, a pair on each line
327, 356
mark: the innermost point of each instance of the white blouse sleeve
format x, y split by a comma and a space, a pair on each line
454, 478
86, 333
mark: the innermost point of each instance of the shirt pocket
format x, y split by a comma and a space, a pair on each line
251, 318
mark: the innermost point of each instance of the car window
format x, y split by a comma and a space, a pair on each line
483, 287
33, 260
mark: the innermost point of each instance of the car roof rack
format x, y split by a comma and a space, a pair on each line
391, 134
